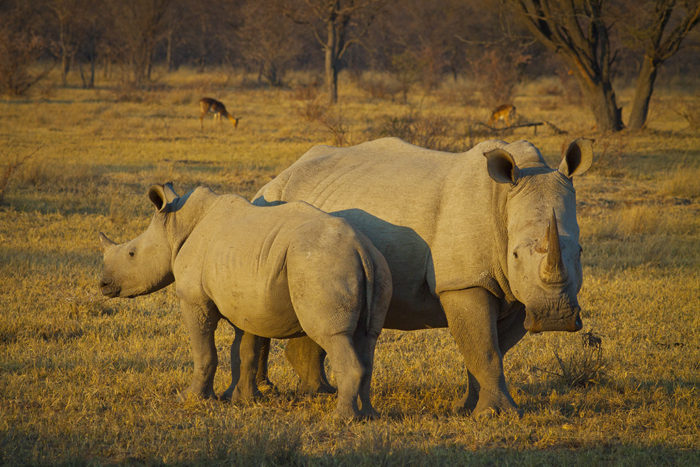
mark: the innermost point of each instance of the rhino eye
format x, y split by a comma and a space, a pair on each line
515, 254
131, 253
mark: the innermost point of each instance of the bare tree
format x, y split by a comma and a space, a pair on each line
426, 37
664, 25
577, 30
267, 39
337, 25
91, 26
65, 13
21, 44
138, 26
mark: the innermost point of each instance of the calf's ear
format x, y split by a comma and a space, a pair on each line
501, 166
158, 196
170, 194
577, 158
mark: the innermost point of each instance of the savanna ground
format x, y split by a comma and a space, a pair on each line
84, 380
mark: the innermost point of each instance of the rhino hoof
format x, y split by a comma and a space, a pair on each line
485, 413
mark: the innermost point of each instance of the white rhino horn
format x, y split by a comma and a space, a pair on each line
105, 241
552, 268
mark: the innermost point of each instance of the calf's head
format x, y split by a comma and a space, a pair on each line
142, 265
543, 255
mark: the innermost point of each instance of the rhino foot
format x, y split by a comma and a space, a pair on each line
345, 412
236, 395
491, 404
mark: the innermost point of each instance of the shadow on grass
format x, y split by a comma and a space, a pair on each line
260, 448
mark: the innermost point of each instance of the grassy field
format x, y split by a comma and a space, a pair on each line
84, 380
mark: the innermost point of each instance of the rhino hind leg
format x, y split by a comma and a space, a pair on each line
471, 315
245, 352
365, 344
261, 379
201, 321
348, 374
307, 358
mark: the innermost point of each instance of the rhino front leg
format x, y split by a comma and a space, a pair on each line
201, 321
245, 352
307, 357
472, 319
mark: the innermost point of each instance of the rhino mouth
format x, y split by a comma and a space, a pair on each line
109, 289
570, 323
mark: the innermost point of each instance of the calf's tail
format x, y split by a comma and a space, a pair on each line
376, 301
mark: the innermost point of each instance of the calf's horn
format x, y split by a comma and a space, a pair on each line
552, 267
105, 241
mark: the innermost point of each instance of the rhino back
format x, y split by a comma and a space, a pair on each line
430, 213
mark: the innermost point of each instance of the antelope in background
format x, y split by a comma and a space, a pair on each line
207, 104
503, 113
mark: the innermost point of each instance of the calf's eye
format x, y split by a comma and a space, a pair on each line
131, 253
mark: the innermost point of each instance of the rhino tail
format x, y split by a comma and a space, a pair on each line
377, 289
368, 268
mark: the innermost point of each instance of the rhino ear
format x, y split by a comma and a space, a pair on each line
577, 158
158, 196
501, 166
170, 194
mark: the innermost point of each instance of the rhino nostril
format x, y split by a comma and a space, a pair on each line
105, 282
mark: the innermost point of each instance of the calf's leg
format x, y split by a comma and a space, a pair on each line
348, 373
200, 321
365, 344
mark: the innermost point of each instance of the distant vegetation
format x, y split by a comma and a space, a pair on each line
594, 44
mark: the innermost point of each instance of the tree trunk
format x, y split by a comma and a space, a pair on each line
642, 93
169, 51
602, 102
65, 66
332, 63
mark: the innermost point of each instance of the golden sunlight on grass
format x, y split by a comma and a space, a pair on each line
86, 380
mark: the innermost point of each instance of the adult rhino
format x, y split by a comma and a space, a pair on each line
275, 272
484, 242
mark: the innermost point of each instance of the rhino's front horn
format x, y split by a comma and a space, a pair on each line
552, 269
105, 241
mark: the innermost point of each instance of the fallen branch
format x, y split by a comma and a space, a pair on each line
556, 129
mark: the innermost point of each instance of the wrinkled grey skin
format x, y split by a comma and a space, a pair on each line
484, 242
282, 271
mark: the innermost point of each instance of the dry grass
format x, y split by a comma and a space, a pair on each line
91, 381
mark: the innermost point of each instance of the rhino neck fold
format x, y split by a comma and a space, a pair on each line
500, 195
181, 222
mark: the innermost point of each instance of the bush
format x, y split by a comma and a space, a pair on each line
429, 132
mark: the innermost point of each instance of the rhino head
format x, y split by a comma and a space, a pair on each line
144, 264
543, 256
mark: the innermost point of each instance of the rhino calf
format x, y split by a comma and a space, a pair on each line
279, 271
